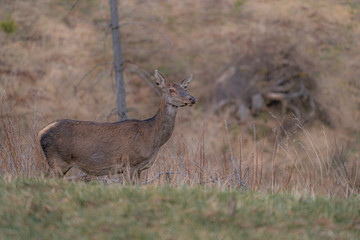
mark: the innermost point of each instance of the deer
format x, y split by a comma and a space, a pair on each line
107, 148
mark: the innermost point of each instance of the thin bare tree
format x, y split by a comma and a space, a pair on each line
118, 61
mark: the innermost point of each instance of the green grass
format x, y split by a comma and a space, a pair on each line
49, 209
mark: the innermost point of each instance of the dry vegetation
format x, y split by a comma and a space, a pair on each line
58, 64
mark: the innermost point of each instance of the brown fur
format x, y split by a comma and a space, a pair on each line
106, 148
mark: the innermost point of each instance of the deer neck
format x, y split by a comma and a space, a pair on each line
164, 122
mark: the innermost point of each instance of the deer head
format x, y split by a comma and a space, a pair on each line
175, 93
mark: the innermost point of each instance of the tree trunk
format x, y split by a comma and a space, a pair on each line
118, 61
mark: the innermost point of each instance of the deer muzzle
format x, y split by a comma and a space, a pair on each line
192, 100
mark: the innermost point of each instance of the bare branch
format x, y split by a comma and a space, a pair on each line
87, 74
144, 75
238, 174
295, 110
98, 78
73, 6
108, 27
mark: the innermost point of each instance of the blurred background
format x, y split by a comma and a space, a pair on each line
269, 75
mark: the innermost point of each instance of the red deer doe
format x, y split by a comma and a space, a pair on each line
108, 148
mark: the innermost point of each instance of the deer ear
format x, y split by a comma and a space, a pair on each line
159, 79
184, 83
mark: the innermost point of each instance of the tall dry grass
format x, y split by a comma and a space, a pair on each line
20, 154
292, 165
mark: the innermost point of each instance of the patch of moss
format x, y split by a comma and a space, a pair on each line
8, 26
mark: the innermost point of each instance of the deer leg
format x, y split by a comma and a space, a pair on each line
52, 171
64, 172
57, 166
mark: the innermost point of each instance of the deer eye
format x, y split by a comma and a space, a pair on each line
171, 90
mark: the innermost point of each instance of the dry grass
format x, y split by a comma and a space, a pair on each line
292, 165
54, 52
20, 154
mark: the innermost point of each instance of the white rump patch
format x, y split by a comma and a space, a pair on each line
46, 128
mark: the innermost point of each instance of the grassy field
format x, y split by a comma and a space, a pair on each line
49, 209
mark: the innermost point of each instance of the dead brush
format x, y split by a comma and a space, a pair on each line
296, 164
344, 169
20, 154
307, 167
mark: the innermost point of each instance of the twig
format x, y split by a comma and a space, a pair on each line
98, 78
162, 173
144, 77
232, 159
186, 170
87, 74
341, 157
73, 6
108, 27
204, 168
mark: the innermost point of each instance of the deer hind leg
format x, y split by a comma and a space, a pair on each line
58, 167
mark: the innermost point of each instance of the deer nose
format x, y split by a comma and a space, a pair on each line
192, 99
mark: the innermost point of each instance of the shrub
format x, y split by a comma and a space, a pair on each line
8, 26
